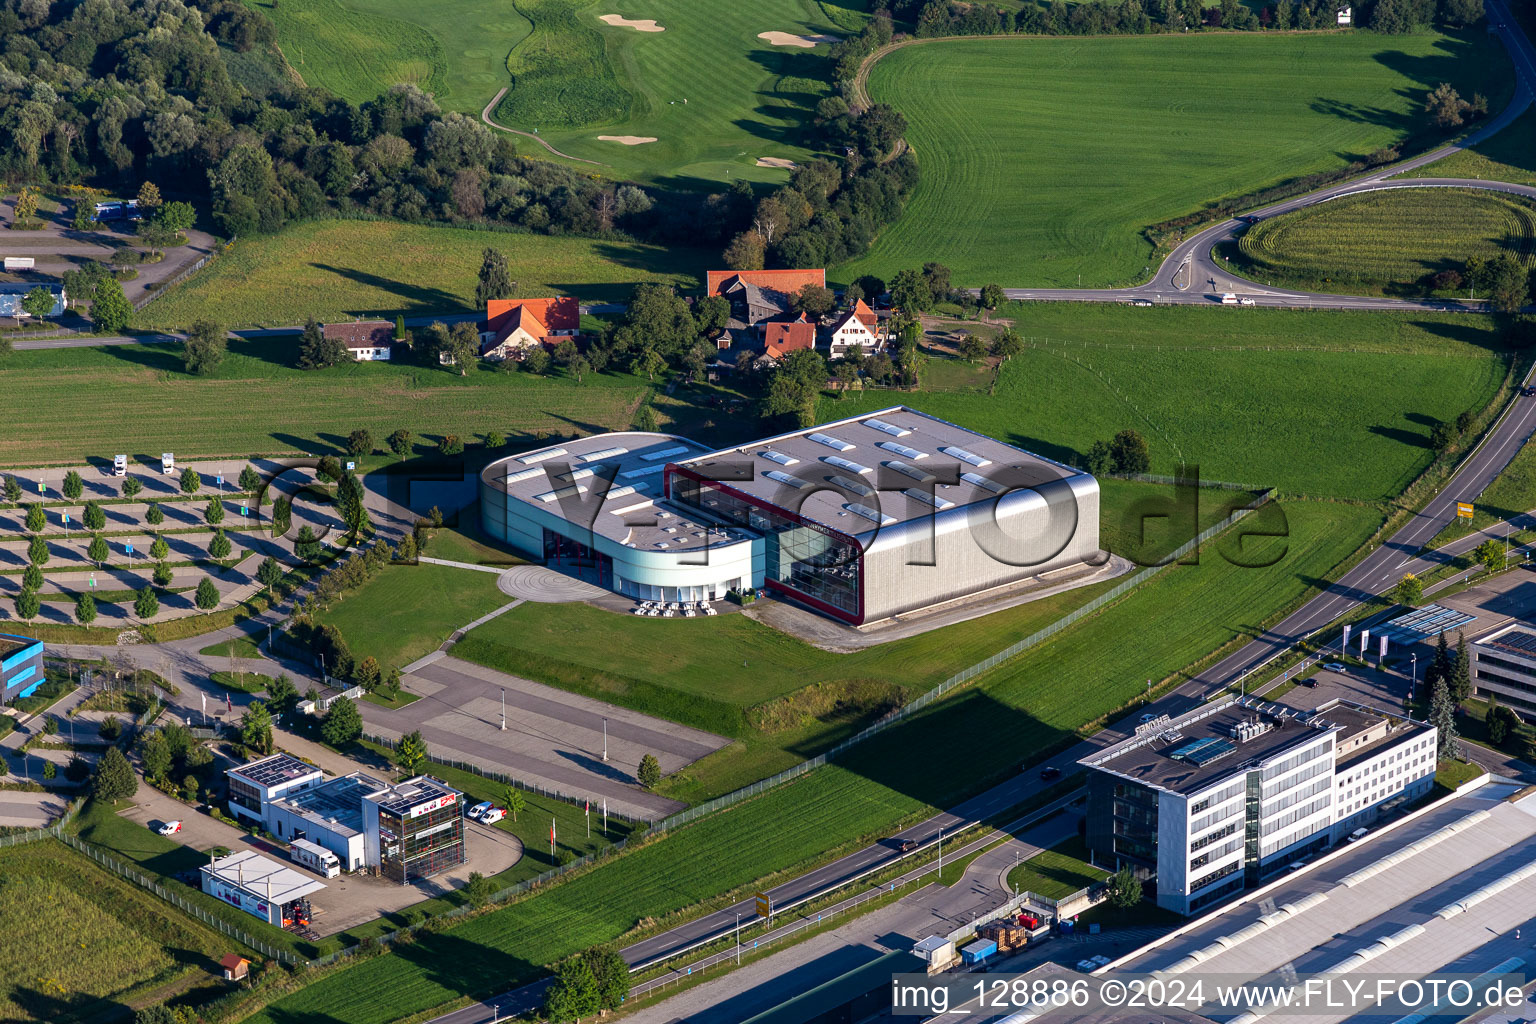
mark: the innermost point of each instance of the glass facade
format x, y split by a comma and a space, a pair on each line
411, 848
577, 559
815, 563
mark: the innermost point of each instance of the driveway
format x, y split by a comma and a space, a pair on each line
29, 810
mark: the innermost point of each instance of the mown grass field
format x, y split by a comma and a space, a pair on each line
1038, 183
1024, 707
359, 48
745, 100
78, 941
1057, 872
137, 398
1319, 403
408, 610
1386, 242
1510, 155
338, 269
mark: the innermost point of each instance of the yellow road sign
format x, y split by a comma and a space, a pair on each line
1463, 510
764, 905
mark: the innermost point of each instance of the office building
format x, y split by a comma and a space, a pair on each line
21, 666
1503, 665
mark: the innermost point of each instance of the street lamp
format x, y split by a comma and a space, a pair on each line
503, 709
738, 938
1413, 659
605, 739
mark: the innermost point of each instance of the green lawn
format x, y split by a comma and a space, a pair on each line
1386, 242
242, 682
1023, 708
240, 647
340, 269
1057, 872
1510, 155
1044, 159
79, 941
1512, 494
1267, 397
582, 78
407, 611
142, 401
359, 48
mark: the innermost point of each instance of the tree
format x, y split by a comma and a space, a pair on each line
1439, 669
478, 890
13, 490
317, 351
411, 753
1124, 888
36, 517
1442, 715
191, 482
93, 517
155, 754
98, 551
159, 550
1129, 452
1491, 554
154, 515
910, 291
972, 348
77, 769
1409, 590
256, 728
207, 595
746, 252
26, 204
367, 674
250, 480
37, 550
204, 348
495, 281
649, 774
1445, 106
149, 199
515, 800
1461, 672
85, 609
28, 604
176, 218
146, 605
359, 443
464, 348
342, 723
269, 572
536, 360
73, 485
649, 362
1505, 279
495, 439
401, 442
31, 578
814, 300
132, 485
219, 546
50, 771
992, 296
1461, 12
579, 367
1007, 344
213, 512
162, 575
110, 308
307, 546
282, 695
113, 779
38, 302
611, 973
573, 994
406, 551
329, 466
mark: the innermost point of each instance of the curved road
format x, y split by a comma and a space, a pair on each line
1191, 276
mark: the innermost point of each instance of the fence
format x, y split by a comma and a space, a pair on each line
150, 295
959, 678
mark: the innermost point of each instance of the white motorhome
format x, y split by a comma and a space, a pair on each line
119, 465
167, 462
315, 857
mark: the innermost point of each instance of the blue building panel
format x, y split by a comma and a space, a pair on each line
21, 666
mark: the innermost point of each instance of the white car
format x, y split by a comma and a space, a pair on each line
1357, 835
478, 810
1337, 666
1246, 302
170, 828
492, 816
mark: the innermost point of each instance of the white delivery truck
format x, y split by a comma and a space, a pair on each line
119, 465
315, 857
167, 462
20, 263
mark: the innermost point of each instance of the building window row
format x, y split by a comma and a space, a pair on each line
1221, 797
1296, 795
1217, 875
1293, 816
1205, 821
1296, 760
1514, 666
1230, 846
1274, 846
1523, 685
1312, 771
1217, 836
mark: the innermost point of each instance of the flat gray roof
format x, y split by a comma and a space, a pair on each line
262, 878
401, 797
564, 480
274, 770
850, 474
1190, 753
336, 805
1514, 639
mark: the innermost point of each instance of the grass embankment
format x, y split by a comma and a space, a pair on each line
405, 611
1511, 494
1387, 243
341, 269
240, 647
142, 400
1038, 186
358, 48
80, 943
1057, 872
575, 78
1509, 155
1032, 704
1267, 397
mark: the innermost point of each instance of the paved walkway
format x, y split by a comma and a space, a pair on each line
543, 585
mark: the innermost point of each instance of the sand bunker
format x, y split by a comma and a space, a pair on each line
628, 140
643, 25
776, 161
790, 39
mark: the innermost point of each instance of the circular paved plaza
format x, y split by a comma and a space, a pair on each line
537, 583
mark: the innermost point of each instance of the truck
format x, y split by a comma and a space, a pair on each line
315, 857
20, 263
167, 463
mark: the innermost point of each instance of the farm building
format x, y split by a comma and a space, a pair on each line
513, 326
859, 519
366, 340
856, 328
21, 666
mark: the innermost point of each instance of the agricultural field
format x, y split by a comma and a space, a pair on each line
141, 400
1025, 707
406, 611
359, 48
1386, 243
1038, 186
80, 942
1510, 155
1328, 404
576, 78
341, 269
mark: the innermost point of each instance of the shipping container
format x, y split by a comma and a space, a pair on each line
20, 263
978, 951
